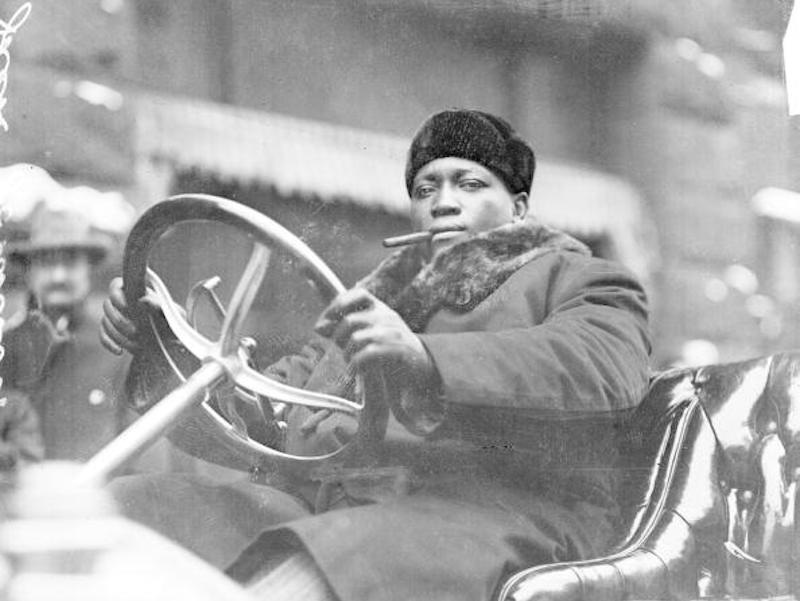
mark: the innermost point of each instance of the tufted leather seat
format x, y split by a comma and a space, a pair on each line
710, 461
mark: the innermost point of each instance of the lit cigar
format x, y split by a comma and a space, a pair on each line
407, 239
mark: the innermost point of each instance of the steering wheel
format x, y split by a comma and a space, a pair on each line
224, 363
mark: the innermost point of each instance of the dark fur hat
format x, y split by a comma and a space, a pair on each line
477, 136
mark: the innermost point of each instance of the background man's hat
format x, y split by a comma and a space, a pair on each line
60, 228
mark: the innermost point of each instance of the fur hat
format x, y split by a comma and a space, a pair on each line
476, 136
60, 229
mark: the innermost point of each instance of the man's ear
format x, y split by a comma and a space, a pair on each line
520, 206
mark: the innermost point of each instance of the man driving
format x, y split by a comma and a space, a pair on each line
507, 355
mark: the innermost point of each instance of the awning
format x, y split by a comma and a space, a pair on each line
295, 156
583, 200
340, 164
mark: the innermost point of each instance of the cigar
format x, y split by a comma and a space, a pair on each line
417, 237
407, 239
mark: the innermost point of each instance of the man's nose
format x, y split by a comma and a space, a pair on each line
445, 203
58, 272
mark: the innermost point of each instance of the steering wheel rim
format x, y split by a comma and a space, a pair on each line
265, 233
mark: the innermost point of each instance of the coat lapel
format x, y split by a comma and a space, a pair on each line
462, 276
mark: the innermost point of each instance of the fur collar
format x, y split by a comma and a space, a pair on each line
463, 275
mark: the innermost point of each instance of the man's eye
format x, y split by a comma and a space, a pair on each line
423, 191
472, 184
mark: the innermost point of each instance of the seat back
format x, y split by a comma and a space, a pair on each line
706, 458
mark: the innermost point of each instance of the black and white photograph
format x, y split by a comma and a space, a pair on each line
394, 300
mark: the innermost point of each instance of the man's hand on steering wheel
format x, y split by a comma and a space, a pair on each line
372, 335
118, 331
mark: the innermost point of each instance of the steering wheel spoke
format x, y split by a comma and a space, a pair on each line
197, 344
243, 297
250, 379
204, 289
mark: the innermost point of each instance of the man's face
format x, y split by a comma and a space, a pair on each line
60, 278
456, 197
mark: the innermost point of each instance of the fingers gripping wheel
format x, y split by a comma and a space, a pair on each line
179, 345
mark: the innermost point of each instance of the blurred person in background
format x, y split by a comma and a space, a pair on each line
52, 352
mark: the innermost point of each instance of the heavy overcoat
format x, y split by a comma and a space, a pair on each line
541, 349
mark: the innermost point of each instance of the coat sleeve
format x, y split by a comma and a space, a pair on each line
589, 353
21, 437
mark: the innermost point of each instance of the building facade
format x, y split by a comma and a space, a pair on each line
656, 123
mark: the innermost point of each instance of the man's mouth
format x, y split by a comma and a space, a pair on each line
58, 289
444, 232
448, 235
